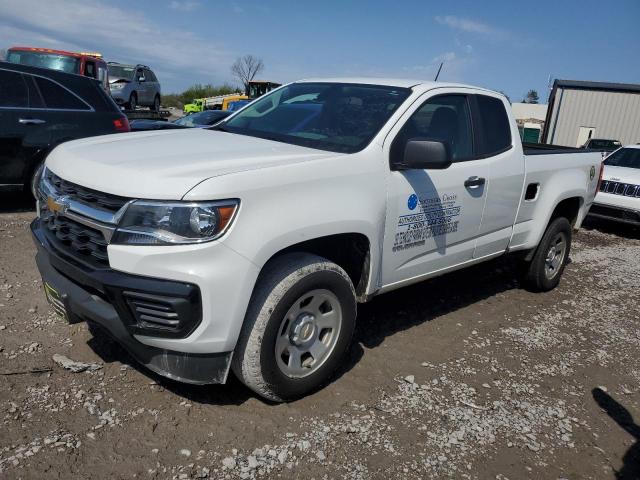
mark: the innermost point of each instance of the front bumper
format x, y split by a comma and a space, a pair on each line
100, 297
615, 213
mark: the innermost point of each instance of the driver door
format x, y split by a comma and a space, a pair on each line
433, 216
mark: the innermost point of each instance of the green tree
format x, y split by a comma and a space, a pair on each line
532, 97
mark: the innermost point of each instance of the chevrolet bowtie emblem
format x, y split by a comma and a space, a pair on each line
57, 205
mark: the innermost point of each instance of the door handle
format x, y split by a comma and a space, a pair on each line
474, 182
31, 121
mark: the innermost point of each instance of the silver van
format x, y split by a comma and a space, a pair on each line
134, 85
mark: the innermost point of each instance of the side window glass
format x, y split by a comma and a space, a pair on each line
445, 118
90, 70
13, 90
57, 97
495, 136
139, 73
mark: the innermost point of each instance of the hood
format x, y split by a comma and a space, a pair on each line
119, 79
165, 165
621, 174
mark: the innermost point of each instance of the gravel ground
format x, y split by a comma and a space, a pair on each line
466, 376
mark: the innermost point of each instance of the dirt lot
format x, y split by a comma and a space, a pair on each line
466, 376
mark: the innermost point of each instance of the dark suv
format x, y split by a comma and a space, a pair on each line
41, 108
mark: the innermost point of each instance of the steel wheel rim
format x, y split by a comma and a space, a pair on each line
308, 333
555, 256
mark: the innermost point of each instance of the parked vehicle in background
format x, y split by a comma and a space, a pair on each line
219, 102
248, 244
237, 105
619, 195
257, 88
42, 108
195, 120
134, 85
89, 64
602, 144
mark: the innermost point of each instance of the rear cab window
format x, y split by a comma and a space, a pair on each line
491, 126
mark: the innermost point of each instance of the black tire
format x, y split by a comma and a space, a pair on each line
156, 103
282, 282
133, 101
537, 274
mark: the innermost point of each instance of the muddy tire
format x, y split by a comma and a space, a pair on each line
545, 269
297, 329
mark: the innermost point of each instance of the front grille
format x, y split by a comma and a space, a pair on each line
105, 201
78, 240
620, 188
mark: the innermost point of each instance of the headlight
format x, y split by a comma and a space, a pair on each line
116, 86
171, 223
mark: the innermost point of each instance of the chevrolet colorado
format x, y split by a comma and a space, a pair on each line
248, 245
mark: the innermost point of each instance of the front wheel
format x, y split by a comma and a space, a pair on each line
544, 270
156, 103
298, 327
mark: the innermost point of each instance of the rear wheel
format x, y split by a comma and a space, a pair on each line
297, 329
544, 270
133, 101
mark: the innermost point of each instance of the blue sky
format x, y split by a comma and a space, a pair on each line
504, 45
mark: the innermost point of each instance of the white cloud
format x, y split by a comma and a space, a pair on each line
184, 5
128, 36
444, 57
469, 26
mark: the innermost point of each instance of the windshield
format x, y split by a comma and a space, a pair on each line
612, 144
338, 117
208, 117
120, 71
625, 157
53, 61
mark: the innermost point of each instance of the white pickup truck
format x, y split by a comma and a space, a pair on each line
248, 245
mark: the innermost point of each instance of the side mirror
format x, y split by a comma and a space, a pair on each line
424, 154
141, 78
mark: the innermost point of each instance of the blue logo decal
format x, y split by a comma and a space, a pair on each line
412, 202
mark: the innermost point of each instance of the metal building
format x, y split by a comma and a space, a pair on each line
580, 110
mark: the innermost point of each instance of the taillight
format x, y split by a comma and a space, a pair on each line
600, 177
121, 124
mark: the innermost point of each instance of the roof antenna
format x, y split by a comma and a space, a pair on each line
438, 74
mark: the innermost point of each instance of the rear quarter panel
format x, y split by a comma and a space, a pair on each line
559, 176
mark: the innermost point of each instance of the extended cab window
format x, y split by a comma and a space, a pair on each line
495, 134
13, 90
445, 118
58, 97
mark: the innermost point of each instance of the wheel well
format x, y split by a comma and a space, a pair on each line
349, 250
569, 209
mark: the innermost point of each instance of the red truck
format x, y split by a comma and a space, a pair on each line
89, 64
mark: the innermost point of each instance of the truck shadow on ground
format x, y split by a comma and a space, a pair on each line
386, 315
631, 460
